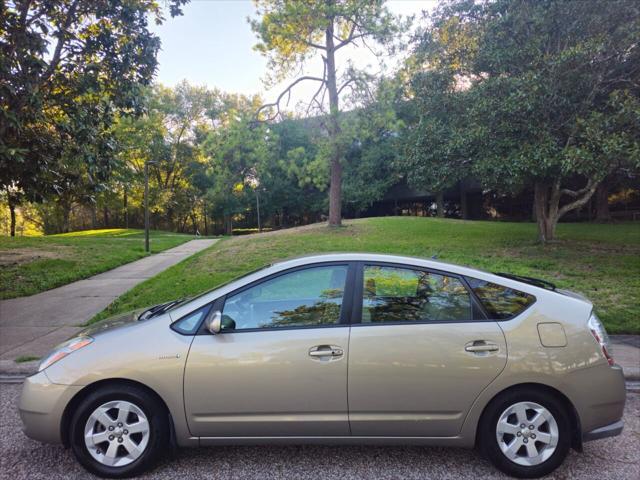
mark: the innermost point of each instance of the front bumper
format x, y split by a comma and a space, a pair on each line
610, 430
42, 405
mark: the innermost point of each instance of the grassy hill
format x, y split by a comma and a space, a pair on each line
601, 261
30, 265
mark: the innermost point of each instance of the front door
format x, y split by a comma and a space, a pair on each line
417, 360
279, 368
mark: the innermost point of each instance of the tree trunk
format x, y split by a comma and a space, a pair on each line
548, 211
204, 216
602, 203
440, 204
169, 217
335, 187
194, 223
12, 213
544, 212
66, 213
105, 214
464, 207
94, 216
227, 226
126, 209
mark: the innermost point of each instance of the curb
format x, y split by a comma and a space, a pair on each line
11, 379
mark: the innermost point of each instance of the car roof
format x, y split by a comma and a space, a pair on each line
375, 257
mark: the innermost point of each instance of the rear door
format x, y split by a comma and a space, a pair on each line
418, 357
279, 366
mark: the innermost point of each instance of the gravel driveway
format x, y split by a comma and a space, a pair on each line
22, 458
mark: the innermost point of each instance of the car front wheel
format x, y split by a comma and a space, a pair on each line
525, 433
118, 431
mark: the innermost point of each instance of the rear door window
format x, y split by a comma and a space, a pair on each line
499, 301
393, 294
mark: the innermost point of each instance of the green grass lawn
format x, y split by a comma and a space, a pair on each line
600, 261
30, 265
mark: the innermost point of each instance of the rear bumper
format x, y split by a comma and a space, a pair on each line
610, 430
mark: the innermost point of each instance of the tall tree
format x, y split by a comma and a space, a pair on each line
292, 32
553, 90
234, 148
438, 146
66, 68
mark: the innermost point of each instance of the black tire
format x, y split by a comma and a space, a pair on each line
158, 430
487, 432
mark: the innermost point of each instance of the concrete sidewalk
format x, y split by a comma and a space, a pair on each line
33, 325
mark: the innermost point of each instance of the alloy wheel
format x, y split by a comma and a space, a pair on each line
527, 433
117, 433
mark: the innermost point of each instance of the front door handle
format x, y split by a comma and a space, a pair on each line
481, 346
325, 351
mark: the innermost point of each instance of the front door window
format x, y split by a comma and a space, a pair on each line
306, 297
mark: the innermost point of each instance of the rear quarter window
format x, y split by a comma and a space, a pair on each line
500, 302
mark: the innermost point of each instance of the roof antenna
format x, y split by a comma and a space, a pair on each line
434, 256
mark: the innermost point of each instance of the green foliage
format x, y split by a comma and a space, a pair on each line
438, 145
290, 32
371, 136
521, 93
26, 358
68, 68
601, 261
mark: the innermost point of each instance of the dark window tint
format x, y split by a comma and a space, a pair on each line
499, 301
404, 295
188, 325
312, 296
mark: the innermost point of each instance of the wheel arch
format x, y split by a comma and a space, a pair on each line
574, 418
92, 387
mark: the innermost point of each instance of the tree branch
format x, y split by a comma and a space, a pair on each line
311, 44
286, 91
62, 32
574, 193
346, 84
351, 37
588, 192
322, 85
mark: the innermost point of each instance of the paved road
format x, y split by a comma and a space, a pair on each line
33, 325
22, 458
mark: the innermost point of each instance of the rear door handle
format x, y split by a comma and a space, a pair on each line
325, 351
481, 346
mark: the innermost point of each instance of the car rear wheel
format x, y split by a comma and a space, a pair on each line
118, 431
525, 433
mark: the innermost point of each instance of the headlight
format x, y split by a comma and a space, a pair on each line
63, 350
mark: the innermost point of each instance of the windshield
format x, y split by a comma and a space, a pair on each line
220, 285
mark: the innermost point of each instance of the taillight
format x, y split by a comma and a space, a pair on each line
600, 334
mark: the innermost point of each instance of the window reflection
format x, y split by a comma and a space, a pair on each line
394, 294
500, 302
308, 297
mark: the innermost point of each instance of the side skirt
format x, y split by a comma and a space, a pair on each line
426, 441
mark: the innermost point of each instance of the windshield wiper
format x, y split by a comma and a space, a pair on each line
536, 282
158, 309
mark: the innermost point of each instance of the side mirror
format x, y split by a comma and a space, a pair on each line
213, 324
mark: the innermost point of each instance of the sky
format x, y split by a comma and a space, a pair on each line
212, 45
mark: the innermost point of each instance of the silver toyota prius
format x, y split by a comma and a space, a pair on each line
341, 349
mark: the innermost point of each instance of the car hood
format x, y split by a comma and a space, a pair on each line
113, 323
